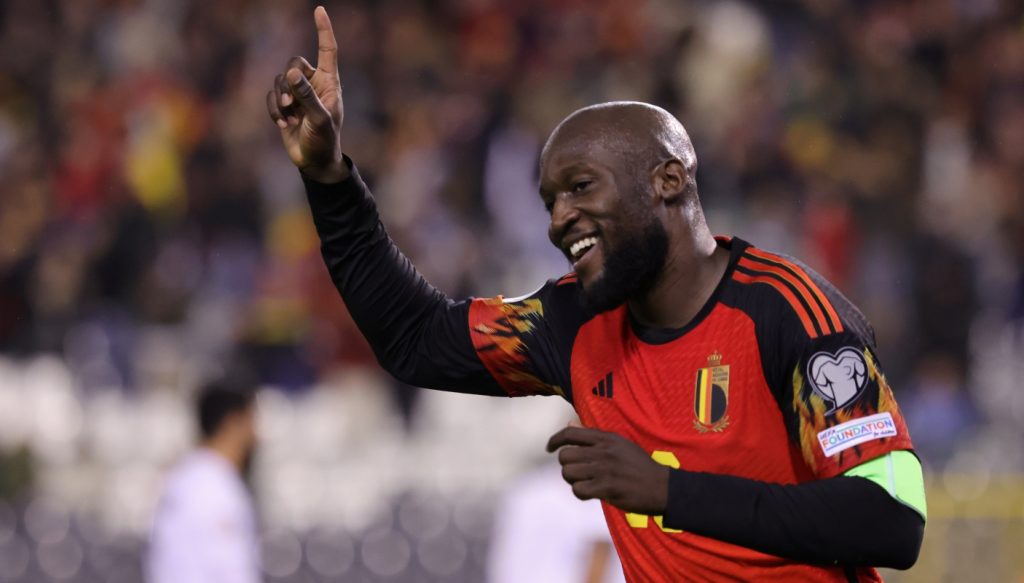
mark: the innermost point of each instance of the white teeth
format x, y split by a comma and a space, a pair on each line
579, 247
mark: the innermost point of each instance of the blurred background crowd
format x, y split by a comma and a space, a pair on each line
153, 235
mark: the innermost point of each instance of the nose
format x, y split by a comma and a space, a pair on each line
563, 216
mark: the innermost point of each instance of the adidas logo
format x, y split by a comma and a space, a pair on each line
604, 387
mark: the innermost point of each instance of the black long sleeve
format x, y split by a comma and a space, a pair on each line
848, 521
417, 333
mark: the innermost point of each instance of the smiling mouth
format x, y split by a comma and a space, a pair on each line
580, 248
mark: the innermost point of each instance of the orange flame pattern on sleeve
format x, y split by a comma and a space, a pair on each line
810, 409
499, 331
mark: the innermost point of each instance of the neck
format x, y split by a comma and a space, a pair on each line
227, 449
693, 269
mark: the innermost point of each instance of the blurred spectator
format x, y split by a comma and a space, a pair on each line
543, 533
205, 524
939, 409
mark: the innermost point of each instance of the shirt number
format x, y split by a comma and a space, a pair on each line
665, 458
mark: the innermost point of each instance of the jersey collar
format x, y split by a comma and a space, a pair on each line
649, 335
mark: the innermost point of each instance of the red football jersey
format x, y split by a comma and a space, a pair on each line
776, 379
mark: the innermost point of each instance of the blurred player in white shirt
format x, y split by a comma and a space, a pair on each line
204, 530
544, 534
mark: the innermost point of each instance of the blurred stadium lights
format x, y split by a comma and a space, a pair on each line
331, 552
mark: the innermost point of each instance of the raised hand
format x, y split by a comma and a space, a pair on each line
306, 105
599, 464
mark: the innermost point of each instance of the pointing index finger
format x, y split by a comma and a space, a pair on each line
327, 53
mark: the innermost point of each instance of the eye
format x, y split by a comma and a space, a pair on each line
549, 206
581, 185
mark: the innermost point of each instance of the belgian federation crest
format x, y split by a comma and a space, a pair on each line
711, 397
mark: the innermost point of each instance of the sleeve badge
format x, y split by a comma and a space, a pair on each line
838, 377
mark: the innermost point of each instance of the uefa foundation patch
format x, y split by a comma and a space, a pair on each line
846, 435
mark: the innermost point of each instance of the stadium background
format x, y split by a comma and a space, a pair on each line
153, 233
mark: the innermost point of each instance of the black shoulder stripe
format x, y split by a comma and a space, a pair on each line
828, 315
795, 299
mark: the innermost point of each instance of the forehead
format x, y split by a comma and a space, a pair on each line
564, 156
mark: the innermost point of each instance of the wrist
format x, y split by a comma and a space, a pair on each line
664, 490
333, 173
678, 489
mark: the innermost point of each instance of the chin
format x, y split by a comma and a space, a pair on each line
587, 282
598, 296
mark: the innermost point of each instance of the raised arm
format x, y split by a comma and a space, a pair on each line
417, 333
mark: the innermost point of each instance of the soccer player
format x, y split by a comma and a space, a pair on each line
204, 530
738, 425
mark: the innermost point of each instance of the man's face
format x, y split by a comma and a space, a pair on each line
603, 220
247, 435
251, 426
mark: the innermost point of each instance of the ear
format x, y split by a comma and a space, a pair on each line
670, 181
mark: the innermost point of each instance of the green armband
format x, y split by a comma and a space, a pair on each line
899, 472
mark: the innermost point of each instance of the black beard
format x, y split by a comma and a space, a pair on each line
630, 270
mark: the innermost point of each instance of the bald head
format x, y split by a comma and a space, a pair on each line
618, 180
640, 134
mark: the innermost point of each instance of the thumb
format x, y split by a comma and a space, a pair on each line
306, 96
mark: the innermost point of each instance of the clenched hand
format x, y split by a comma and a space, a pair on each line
604, 465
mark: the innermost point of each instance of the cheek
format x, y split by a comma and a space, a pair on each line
621, 224
624, 205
